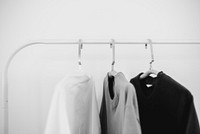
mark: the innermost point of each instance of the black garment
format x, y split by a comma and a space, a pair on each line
165, 108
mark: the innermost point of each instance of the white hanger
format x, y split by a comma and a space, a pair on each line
150, 71
80, 46
112, 45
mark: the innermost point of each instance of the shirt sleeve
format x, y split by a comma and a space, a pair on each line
131, 116
96, 129
189, 121
192, 124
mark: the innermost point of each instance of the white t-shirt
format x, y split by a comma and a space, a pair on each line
74, 107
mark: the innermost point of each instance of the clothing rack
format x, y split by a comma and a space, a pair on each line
5, 71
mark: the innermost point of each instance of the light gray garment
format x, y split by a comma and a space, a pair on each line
119, 115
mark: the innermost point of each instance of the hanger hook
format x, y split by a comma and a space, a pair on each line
152, 56
80, 46
112, 45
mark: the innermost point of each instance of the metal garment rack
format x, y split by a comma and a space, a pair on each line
5, 71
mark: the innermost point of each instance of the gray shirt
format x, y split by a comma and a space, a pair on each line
119, 109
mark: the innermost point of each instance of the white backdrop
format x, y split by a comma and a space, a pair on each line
35, 71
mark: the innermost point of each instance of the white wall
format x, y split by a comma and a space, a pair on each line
35, 71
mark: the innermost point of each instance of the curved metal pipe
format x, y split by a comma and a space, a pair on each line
5, 80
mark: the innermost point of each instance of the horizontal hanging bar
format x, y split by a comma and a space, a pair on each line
138, 42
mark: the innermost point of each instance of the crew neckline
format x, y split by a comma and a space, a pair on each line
74, 74
137, 82
118, 74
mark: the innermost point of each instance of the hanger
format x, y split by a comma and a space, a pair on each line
80, 46
150, 71
112, 45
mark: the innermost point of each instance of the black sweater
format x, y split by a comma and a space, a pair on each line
165, 108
